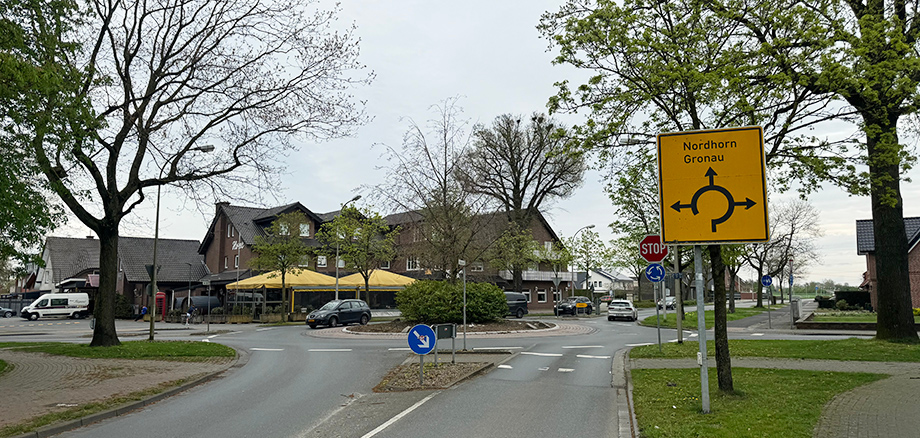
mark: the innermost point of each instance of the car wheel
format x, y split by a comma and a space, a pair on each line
312, 326
609, 318
33, 317
7, 314
520, 313
364, 319
333, 321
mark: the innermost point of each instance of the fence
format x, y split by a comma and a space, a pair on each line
14, 303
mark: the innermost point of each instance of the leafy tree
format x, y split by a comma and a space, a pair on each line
364, 241
558, 257
515, 251
588, 252
447, 223
282, 250
174, 78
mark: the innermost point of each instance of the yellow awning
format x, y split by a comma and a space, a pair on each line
272, 280
378, 278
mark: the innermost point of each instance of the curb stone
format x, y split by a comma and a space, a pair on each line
621, 381
242, 357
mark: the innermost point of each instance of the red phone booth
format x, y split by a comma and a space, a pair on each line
161, 306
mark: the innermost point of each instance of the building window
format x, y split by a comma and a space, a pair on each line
320, 261
305, 262
385, 265
527, 294
533, 267
236, 261
304, 230
412, 264
557, 295
548, 247
477, 267
541, 295
283, 229
225, 263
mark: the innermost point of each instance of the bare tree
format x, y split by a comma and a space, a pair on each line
169, 79
521, 168
448, 224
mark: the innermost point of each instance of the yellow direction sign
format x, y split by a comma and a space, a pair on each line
713, 186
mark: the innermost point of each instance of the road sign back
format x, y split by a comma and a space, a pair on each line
713, 186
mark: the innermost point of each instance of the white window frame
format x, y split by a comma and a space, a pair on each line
304, 230
236, 261
477, 267
283, 229
548, 246
526, 293
226, 262
385, 265
412, 264
304, 262
541, 293
557, 295
321, 261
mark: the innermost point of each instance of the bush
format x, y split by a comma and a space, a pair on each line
240, 309
217, 311
123, 309
437, 302
916, 311
843, 305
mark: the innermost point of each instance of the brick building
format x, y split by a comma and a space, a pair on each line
865, 245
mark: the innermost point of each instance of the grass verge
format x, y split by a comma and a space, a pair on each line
84, 410
667, 402
843, 349
158, 350
690, 318
3, 366
849, 317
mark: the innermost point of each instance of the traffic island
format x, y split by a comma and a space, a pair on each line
444, 374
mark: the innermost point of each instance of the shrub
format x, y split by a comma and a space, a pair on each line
916, 311
842, 305
217, 311
123, 309
240, 309
436, 302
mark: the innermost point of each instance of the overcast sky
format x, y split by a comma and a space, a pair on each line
490, 54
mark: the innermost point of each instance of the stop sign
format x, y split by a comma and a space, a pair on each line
652, 250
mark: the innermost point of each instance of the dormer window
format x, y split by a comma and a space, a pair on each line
304, 230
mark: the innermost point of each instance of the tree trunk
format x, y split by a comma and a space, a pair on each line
518, 278
104, 334
723, 358
895, 317
732, 275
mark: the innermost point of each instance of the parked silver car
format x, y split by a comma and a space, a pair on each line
7, 313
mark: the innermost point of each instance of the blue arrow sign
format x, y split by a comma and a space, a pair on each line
790, 280
766, 280
422, 339
654, 272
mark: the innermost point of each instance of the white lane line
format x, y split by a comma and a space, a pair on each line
497, 348
756, 334
399, 416
206, 340
505, 367
267, 349
399, 349
584, 346
639, 345
542, 354
693, 335
566, 370
264, 329
672, 341
585, 356
213, 336
543, 368
328, 350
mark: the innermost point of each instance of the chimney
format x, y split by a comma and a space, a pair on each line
218, 205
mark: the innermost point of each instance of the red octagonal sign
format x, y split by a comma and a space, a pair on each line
651, 249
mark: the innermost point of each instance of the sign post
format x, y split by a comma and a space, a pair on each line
655, 273
421, 341
766, 281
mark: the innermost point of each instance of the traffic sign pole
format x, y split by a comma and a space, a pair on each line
678, 298
701, 327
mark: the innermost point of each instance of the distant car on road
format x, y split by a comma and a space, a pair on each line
622, 309
517, 304
6, 312
668, 302
570, 306
340, 311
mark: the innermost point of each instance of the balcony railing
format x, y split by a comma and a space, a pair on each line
539, 275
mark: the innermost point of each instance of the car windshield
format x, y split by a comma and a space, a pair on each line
330, 305
619, 304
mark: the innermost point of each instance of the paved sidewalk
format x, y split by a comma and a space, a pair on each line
882, 409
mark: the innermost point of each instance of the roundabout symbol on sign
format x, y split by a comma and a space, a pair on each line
654, 272
748, 203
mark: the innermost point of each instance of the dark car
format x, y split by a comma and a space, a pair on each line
7, 313
570, 306
517, 304
340, 312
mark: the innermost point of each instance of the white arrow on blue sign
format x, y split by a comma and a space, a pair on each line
766, 280
654, 272
422, 339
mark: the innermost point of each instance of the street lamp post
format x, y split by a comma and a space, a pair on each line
337, 243
156, 238
587, 274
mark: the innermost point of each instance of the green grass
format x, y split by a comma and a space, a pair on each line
161, 350
690, 317
844, 349
769, 403
84, 410
849, 317
3, 366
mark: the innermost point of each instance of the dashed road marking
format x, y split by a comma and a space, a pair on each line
584, 346
497, 348
264, 329
639, 345
531, 353
505, 367
586, 356
213, 336
329, 350
399, 349
693, 335
756, 334
566, 370
267, 349
543, 369
398, 416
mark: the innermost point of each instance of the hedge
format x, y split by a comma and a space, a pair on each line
439, 302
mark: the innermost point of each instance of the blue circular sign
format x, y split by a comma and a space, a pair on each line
654, 272
766, 280
422, 339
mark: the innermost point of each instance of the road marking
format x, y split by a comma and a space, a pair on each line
756, 334
566, 370
399, 416
693, 335
585, 356
505, 367
498, 348
264, 329
672, 341
639, 345
213, 336
543, 368
267, 349
542, 354
206, 340
399, 349
584, 346
328, 350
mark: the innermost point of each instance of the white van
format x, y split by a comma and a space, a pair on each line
71, 305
